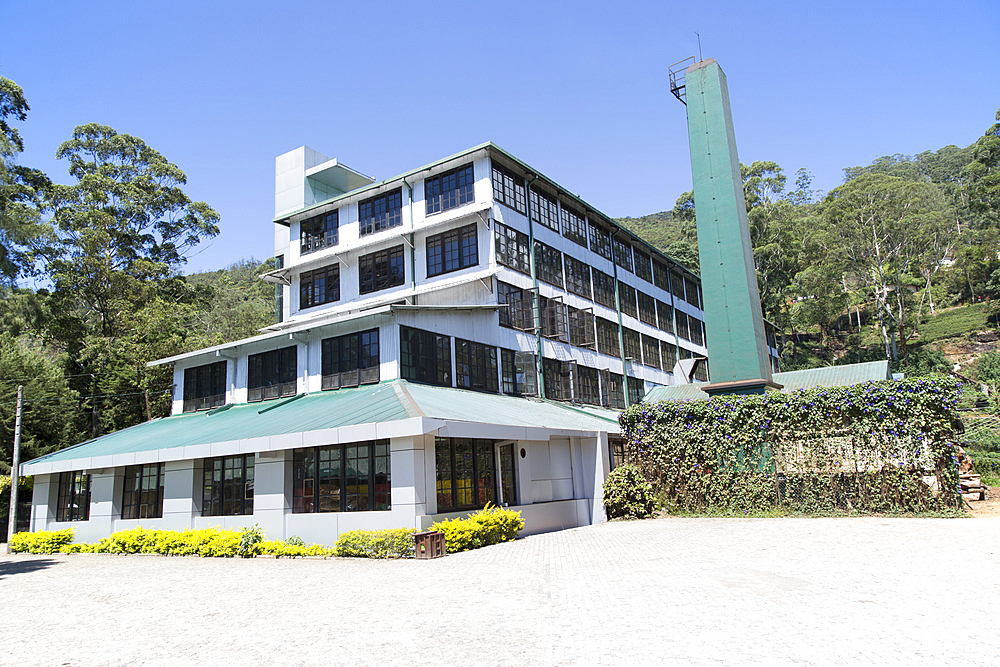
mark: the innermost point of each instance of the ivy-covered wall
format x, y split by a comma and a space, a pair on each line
873, 447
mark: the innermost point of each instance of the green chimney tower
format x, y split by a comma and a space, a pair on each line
734, 324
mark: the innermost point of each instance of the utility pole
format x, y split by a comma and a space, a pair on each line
12, 518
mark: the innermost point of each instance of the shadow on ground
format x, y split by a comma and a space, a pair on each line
18, 566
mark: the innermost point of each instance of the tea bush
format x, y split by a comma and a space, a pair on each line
490, 525
627, 494
391, 543
872, 447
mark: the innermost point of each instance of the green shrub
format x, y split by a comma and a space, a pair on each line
294, 547
490, 525
627, 494
391, 543
250, 539
41, 542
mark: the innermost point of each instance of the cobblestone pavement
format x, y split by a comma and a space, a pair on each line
669, 591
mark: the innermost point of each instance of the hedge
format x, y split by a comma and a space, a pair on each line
490, 525
876, 447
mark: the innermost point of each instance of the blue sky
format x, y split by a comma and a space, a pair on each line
578, 90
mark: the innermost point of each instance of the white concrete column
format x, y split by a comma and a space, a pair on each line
102, 507
408, 470
182, 482
44, 497
271, 491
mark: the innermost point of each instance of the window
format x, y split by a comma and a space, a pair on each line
682, 325
341, 478
600, 240
623, 254
512, 249
475, 366
142, 494
669, 354
604, 288
519, 373
577, 277
380, 213
554, 315
424, 356
664, 317
548, 264
636, 390
697, 330
701, 371
558, 379
661, 276
647, 309
544, 210
318, 232
381, 270
650, 351
643, 265
587, 385
574, 226
507, 188
319, 286
452, 250
74, 497
581, 327
626, 300
607, 337
205, 387
350, 360
612, 390
272, 374
449, 190
633, 348
691, 291
467, 473
228, 487
676, 285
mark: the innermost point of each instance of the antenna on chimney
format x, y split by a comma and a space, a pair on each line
699, 45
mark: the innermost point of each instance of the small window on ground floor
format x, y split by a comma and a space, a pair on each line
341, 478
74, 496
142, 493
228, 486
467, 473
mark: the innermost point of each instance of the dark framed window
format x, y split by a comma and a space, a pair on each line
574, 226
581, 327
558, 379
650, 351
555, 318
612, 390
272, 374
318, 232
508, 188
664, 317
697, 330
512, 249
607, 337
636, 390
381, 270
600, 240
548, 264
519, 373
701, 371
623, 254
452, 250
142, 492
626, 300
228, 486
633, 348
668, 353
643, 265
451, 189
587, 385
466, 472
682, 325
205, 387
578, 277
424, 356
685, 353
74, 496
319, 286
476, 366
691, 291
380, 213
353, 477
350, 360
604, 288
661, 276
676, 285
544, 210
647, 308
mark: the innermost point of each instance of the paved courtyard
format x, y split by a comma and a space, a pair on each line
669, 591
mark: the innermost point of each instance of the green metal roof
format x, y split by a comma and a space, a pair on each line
383, 403
827, 376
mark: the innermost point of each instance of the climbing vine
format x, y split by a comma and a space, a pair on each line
877, 447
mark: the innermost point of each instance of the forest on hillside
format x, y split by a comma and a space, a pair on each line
865, 269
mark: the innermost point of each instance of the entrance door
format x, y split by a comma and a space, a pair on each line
505, 475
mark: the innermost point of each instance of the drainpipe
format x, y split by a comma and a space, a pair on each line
618, 307
413, 252
534, 283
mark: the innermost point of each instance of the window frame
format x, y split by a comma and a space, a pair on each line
319, 231
319, 286
410, 366
548, 264
578, 277
379, 494
482, 450
453, 250
508, 187
362, 366
513, 249
135, 491
379, 213
476, 366
450, 189
197, 396
215, 498
283, 360
574, 225
73, 499
381, 270
544, 209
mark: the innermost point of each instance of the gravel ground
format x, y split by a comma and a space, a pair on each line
665, 591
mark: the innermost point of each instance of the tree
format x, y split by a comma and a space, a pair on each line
233, 303
983, 175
